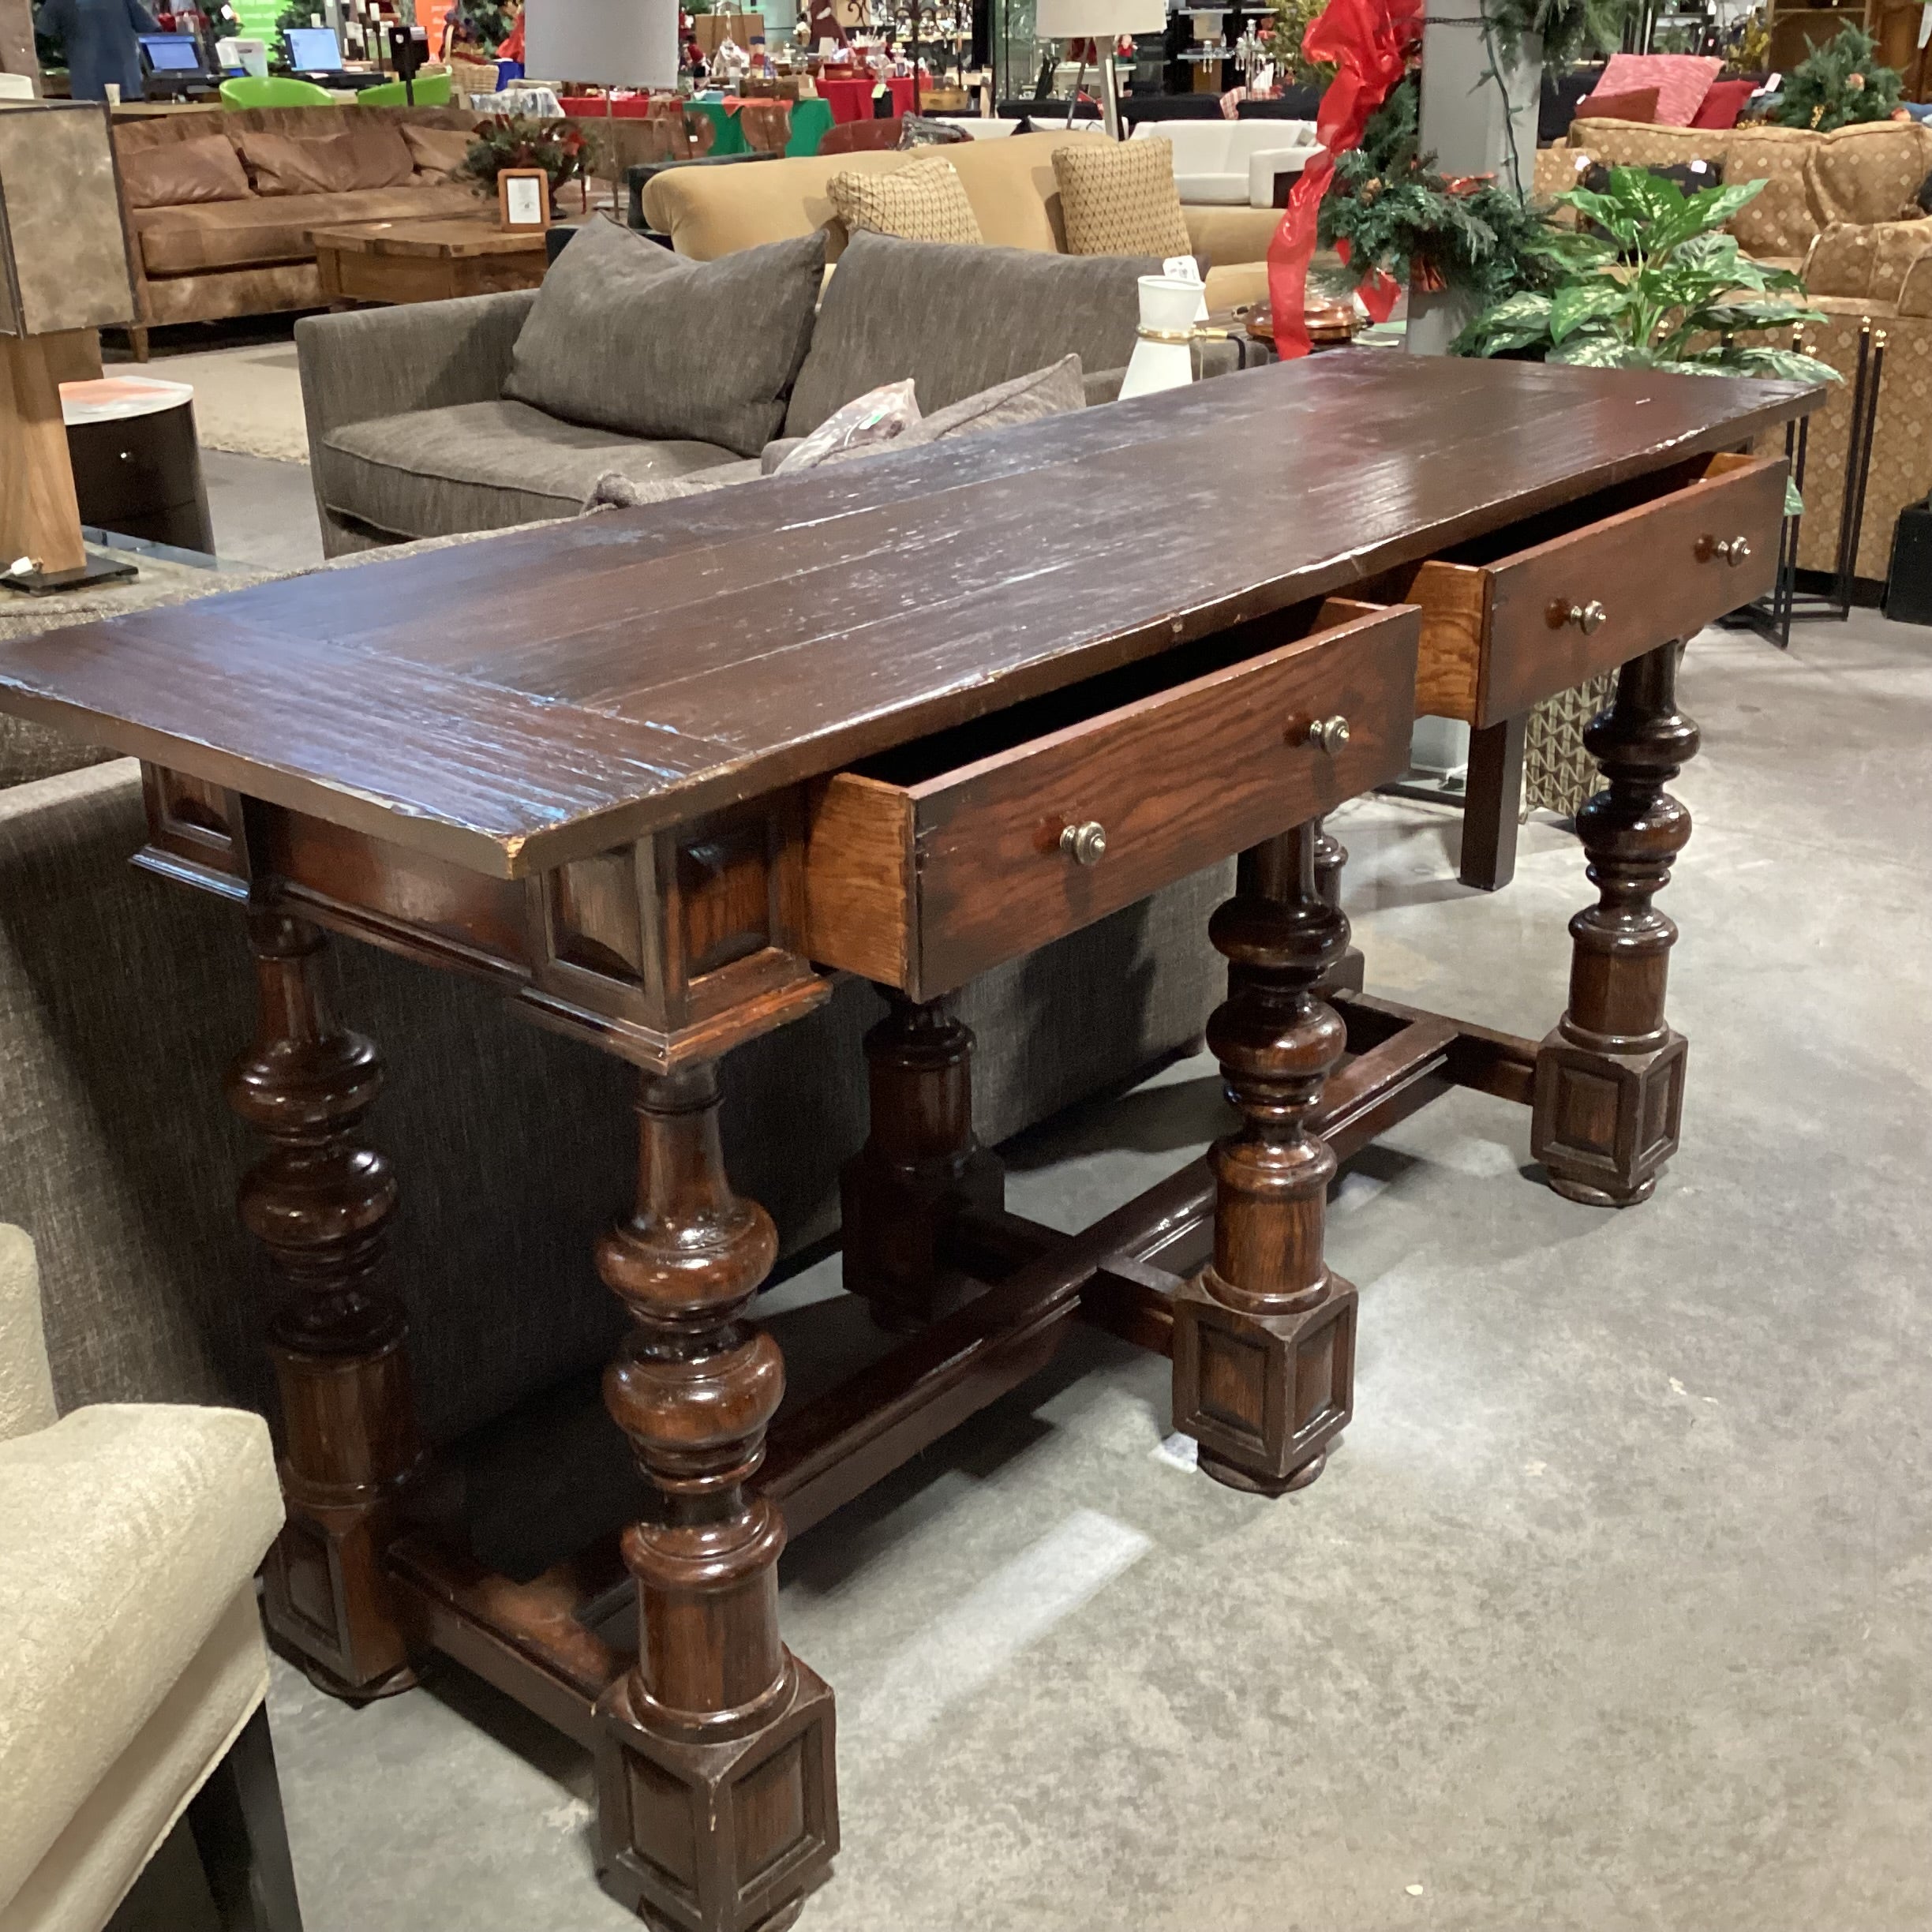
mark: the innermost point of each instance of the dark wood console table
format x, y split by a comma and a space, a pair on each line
653, 773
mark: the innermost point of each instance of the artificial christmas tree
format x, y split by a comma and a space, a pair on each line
1843, 82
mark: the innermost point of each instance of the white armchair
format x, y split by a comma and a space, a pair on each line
1233, 163
132, 1667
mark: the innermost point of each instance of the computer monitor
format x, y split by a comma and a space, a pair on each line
314, 49
172, 53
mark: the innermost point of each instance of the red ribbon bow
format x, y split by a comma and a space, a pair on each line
1369, 40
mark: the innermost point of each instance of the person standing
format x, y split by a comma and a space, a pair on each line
99, 36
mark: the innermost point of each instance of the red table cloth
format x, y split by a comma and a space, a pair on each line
852, 100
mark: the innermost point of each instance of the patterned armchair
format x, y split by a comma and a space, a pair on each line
1841, 209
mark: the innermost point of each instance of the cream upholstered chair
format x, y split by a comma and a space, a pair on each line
132, 1666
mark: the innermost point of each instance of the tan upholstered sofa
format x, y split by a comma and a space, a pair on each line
1832, 210
710, 211
135, 1672
204, 259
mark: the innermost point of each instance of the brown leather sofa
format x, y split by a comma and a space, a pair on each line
220, 230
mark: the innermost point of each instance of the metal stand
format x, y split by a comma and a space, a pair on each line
1771, 616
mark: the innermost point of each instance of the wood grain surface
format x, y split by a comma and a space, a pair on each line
1175, 778
555, 691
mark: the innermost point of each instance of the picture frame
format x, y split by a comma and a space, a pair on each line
523, 199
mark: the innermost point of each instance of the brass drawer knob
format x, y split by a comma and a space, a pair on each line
1734, 551
1084, 844
1329, 734
1586, 617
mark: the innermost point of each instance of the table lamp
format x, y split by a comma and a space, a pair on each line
63, 270
1103, 20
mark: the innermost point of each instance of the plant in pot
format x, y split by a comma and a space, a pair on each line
526, 141
1659, 285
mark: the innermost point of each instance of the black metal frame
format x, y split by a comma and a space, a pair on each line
236, 1820
1771, 616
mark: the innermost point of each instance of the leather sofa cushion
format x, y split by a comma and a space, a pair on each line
918, 309
207, 169
275, 228
438, 150
343, 161
626, 336
484, 465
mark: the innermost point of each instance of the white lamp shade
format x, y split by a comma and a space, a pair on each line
1098, 20
611, 42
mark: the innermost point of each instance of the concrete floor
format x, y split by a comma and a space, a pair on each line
1614, 1612
264, 512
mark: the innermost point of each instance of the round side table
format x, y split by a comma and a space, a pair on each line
136, 463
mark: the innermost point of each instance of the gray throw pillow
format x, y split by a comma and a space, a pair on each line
959, 319
1048, 391
625, 335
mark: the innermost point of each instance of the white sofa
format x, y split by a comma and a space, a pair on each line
1233, 163
981, 128
132, 1667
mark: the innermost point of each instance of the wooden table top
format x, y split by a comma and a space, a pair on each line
444, 235
511, 704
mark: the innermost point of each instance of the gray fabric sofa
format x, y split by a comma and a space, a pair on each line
122, 1000
410, 435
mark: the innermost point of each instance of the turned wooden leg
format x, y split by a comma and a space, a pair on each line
717, 1804
321, 1204
1609, 1080
1269, 870
920, 1166
1492, 804
1264, 1336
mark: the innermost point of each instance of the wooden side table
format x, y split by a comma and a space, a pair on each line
412, 261
137, 460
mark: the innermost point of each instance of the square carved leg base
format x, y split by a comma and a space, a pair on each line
1266, 1396
1605, 1126
717, 1837
328, 1605
895, 1228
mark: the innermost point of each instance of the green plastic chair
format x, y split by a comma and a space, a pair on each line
432, 91
276, 91
811, 122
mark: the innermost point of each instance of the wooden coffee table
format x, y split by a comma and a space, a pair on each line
412, 261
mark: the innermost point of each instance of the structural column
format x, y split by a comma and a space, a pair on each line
717, 1804
1264, 1336
921, 1166
321, 1203
1609, 1080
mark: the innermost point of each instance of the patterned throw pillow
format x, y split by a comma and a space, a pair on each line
1681, 80
925, 202
1119, 198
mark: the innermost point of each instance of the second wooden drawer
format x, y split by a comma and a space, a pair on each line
969, 849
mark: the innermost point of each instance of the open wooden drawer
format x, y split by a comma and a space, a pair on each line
1541, 606
950, 856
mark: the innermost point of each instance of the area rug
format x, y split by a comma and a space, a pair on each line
246, 399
